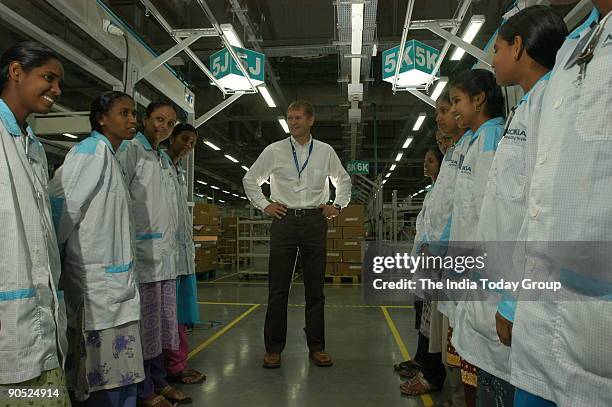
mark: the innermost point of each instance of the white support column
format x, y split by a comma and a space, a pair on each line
453, 39
212, 112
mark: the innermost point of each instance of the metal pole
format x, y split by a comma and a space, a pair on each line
400, 55
375, 141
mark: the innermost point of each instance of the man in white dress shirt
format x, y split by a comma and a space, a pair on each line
298, 168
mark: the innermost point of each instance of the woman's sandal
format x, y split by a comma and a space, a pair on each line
407, 365
408, 374
417, 386
155, 401
188, 376
174, 396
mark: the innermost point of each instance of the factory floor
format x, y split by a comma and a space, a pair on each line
364, 341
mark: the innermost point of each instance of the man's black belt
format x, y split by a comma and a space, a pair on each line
300, 213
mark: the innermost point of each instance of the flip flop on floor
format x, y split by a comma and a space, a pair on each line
407, 365
188, 376
417, 386
174, 396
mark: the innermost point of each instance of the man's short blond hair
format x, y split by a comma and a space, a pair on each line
304, 105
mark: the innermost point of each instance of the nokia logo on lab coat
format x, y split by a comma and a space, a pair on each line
516, 132
466, 169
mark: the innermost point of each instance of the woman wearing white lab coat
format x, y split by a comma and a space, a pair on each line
560, 349
436, 228
91, 210
155, 215
525, 52
32, 312
182, 142
430, 366
477, 103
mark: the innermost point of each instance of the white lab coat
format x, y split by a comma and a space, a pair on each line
473, 170
503, 209
561, 350
91, 211
149, 178
437, 222
436, 226
185, 261
32, 311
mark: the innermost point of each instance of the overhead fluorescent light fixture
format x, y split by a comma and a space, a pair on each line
392, 167
69, 135
209, 197
211, 145
428, 186
214, 187
225, 192
232, 159
419, 122
284, 124
231, 36
244, 167
407, 142
201, 182
243, 197
265, 93
442, 82
388, 175
475, 24
356, 28
384, 182
236, 195
399, 156
220, 200
200, 195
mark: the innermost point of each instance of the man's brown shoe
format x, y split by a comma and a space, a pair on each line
272, 360
321, 358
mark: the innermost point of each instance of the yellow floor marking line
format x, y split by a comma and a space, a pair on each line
221, 278
248, 304
221, 332
427, 401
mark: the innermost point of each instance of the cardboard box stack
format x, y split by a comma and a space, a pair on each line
345, 235
205, 231
228, 240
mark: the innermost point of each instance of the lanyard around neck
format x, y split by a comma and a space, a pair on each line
295, 160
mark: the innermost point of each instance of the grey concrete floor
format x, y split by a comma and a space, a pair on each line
358, 337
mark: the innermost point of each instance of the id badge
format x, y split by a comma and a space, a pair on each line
299, 186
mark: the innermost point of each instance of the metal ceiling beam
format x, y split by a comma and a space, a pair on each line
168, 28
400, 56
68, 51
239, 62
212, 112
163, 58
459, 16
457, 41
246, 23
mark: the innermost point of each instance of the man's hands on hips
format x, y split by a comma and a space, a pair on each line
504, 329
329, 211
276, 210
